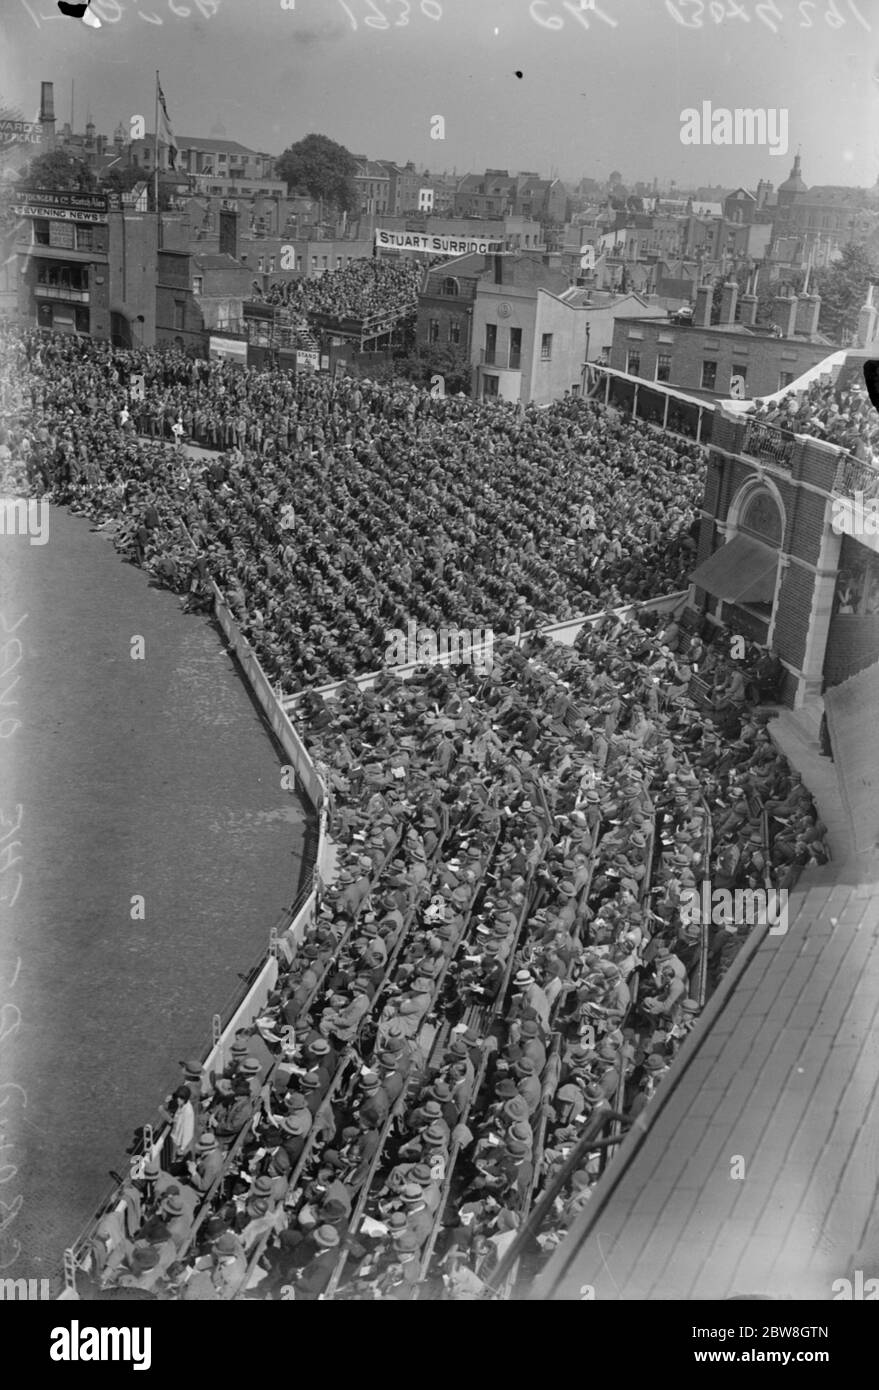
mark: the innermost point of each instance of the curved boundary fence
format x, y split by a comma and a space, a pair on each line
284, 937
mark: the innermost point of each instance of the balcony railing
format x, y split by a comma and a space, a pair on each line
768, 442
500, 357
61, 292
856, 475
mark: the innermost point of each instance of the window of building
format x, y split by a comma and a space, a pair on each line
454, 330
515, 348
261, 264
451, 286
41, 231
575, 390
546, 347
326, 261
434, 330
709, 376
271, 265
197, 284
784, 379
179, 313
314, 262
663, 366
633, 362
298, 262
490, 387
85, 237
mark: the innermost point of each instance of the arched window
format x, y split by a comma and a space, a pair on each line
761, 517
450, 285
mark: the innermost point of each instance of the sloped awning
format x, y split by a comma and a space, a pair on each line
742, 571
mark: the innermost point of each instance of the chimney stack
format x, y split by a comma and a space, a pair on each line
47, 113
808, 313
867, 321
704, 298
784, 312
728, 302
229, 232
750, 303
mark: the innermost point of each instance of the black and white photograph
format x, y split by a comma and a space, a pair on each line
439, 588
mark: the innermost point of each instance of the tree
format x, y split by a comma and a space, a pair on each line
59, 170
843, 289
122, 180
326, 169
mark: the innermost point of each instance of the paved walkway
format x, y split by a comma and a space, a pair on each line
796, 734
782, 1081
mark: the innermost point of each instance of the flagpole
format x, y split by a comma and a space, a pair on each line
156, 158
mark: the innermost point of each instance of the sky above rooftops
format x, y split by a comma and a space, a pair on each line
588, 100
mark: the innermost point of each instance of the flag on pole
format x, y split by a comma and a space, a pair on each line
166, 132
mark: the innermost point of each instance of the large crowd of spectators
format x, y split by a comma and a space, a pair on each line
501, 971
359, 290
844, 417
338, 511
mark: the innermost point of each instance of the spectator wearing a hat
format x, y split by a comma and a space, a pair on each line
373, 1104
312, 1280
425, 1118
178, 1220
419, 1219
341, 1023
295, 1126
206, 1164
528, 995
142, 1270
231, 1113
230, 1266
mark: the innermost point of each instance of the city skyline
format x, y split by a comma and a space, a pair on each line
288, 62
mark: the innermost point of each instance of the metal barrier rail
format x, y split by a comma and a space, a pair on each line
454, 1153
322, 1112
399, 1105
349, 1054
537, 1152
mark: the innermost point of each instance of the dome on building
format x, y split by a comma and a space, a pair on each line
794, 183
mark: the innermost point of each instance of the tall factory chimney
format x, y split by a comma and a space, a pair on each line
47, 114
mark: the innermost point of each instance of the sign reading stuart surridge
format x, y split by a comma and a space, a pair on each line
432, 245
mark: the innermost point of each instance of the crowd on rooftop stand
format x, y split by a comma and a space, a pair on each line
359, 290
339, 511
843, 417
499, 969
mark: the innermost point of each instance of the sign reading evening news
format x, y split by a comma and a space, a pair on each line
63, 207
432, 245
